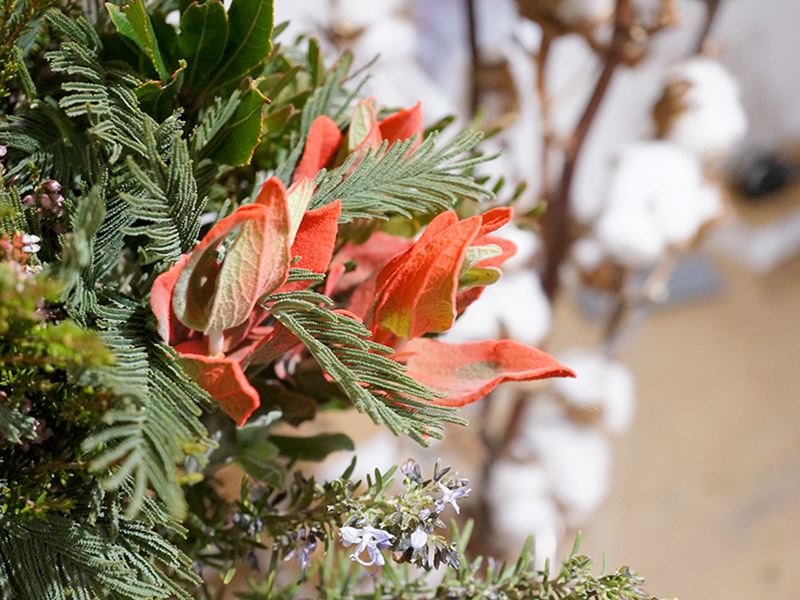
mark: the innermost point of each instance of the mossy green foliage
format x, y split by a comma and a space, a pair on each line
47, 401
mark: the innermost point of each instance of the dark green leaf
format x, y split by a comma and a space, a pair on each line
204, 35
156, 97
133, 22
243, 133
312, 448
249, 41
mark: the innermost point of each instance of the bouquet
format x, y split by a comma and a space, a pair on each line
207, 236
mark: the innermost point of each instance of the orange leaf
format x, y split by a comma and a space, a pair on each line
257, 263
416, 291
316, 237
225, 381
494, 219
169, 328
402, 125
467, 372
324, 138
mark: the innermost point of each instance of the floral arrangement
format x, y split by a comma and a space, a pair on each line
207, 237
618, 115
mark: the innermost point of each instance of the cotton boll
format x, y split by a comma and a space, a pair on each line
713, 120
600, 382
516, 304
680, 219
522, 505
577, 461
657, 198
708, 203
647, 170
630, 236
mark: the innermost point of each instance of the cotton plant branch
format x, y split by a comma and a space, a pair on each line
557, 221
712, 11
475, 57
544, 107
556, 230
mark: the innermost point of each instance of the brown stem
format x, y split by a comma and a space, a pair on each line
711, 14
474, 56
557, 239
544, 110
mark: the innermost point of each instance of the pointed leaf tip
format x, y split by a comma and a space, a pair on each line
467, 372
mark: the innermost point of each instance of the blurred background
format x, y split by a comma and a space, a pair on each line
663, 136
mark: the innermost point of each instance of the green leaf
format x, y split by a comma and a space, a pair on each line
361, 125
314, 448
243, 133
257, 457
478, 276
134, 24
156, 97
249, 41
204, 35
259, 451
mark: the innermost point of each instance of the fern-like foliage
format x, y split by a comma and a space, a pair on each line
141, 183
374, 383
148, 434
16, 17
61, 558
395, 181
166, 209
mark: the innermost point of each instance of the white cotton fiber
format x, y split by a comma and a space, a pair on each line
714, 120
521, 505
577, 461
658, 197
600, 382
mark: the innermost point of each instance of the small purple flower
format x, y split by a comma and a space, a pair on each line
304, 544
450, 496
370, 539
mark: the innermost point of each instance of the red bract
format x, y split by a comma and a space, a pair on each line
422, 290
417, 291
326, 146
209, 310
467, 372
